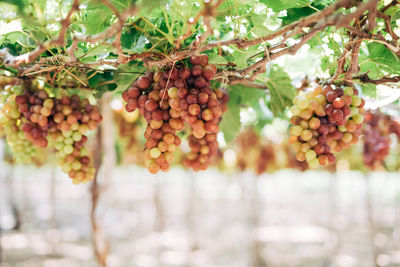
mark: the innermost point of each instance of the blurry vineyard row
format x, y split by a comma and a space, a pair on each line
203, 219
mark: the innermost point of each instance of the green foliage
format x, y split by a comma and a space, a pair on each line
230, 124
280, 89
369, 89
380, 61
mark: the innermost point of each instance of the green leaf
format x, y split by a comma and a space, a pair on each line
230, 124
98, 20
379, 61
281, 90
246, 96
133, 40
18, 3
369, 89
279, 5
102, 82
216, 59
395, 17
99, 50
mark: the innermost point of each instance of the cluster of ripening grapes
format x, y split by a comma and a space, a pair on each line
11, 125
325, 120
170, 97
32, 116
377, 141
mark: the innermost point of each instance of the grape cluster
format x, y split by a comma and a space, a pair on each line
377, 140
71, 120
202, 151
30, 116
325, 120
266, 158
168, 99
11, 120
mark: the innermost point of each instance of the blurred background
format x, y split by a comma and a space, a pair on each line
182, 218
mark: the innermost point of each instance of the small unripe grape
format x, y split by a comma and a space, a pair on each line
300, 156
310, 154
348, 91
173, 92
302, 103
76, 136
347, 137
153, 168
306, 114
320, 99
295, 111
68, 149
207, 115
155, 152
358, 118
306, 135
356, 101
314, 163
156, 124
305, 147
296, 130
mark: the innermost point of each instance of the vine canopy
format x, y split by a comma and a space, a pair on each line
263, 48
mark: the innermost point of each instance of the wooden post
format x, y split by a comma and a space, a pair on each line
105, 143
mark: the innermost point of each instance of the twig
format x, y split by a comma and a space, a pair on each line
354, 66
386, 79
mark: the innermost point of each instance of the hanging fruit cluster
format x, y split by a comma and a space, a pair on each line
128, 143
377, 140
11, 121
168, 99
325, 120
32, 118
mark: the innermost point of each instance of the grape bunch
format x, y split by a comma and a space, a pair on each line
325, 120
377, 130
72, 118
31, 119
11, 120
200, 159
152, 100
168, 99
266, 158
202, 150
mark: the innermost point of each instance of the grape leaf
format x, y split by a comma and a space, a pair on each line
379, 61
230, 124
369, 89
216, 59
279, 5
281, 90
247, 96
133, 40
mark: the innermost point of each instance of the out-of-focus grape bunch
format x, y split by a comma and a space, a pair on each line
171, 97
129, 145
377, 141
325, 120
